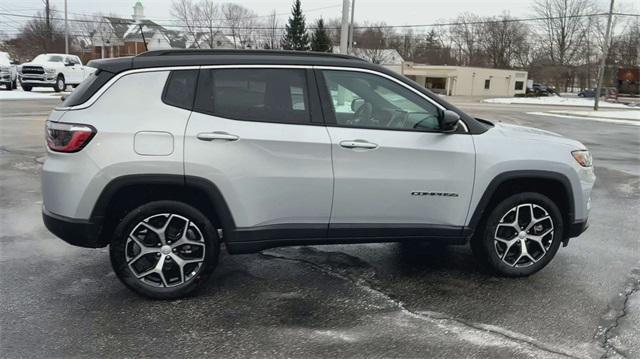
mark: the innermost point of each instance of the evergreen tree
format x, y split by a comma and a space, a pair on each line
320, 40
296, 37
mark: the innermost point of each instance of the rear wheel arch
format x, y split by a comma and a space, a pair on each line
125, 193
554, 185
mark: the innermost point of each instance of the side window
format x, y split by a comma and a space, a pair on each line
268, 95
180, 89
369, 101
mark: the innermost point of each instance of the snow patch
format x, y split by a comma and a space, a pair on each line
606, 120
554, 101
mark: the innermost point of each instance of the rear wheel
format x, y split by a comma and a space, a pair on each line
164, 249
520, 236
9, 86
60, 84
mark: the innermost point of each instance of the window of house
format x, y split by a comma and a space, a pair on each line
519, 85
254, 94
487, 84
369, 101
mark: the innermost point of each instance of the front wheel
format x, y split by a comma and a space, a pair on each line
520, 236
26, 88
164, 249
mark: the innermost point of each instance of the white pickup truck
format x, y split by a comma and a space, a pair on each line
8, 73
53, 70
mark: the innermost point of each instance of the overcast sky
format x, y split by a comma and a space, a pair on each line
393, 12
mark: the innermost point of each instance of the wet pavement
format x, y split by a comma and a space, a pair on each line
378, 300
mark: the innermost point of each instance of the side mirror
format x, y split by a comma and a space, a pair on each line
356, 103
449, 121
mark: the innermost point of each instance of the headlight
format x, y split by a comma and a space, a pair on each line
583, 157
50, 71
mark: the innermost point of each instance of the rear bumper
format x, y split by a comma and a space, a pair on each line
78, 232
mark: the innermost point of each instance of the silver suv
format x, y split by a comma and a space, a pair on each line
166, 155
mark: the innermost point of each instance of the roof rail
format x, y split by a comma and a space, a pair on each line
213, 52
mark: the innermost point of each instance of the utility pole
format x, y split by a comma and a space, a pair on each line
66, 29
344, 31
48, 21
603, 60
353, 10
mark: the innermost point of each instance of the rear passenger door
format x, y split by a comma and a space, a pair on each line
258, 135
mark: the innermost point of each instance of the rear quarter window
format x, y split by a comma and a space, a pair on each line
87, 88
180, 89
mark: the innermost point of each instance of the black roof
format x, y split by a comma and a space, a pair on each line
195, 57
198, 57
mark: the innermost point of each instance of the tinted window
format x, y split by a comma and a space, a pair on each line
369, 101
271, 95
87, 88
519, 85
180, 89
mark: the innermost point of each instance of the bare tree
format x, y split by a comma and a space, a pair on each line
39, 36
372, 42
563, 29
503, 41
271, 34
466, 35
208, 21
241, 22
187, 12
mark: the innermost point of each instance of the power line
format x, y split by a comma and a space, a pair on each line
510, 20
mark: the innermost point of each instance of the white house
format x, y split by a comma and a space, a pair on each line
465, 81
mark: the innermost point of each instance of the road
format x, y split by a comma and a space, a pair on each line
378, 300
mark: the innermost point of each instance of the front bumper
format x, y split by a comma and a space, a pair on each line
82, 233
577, 228
33, 79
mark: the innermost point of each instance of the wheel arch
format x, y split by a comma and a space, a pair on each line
554, 185
125, 193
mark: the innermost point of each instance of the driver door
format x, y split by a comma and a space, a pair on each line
396, 174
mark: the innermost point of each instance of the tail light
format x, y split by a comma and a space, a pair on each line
68, 137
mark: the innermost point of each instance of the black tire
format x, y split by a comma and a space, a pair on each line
26, 88
486, 249
121, 246
14, 84
60, 85
8, 86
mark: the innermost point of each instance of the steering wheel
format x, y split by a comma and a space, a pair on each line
363, 113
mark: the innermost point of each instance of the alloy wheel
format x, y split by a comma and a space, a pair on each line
165, 250
524, 235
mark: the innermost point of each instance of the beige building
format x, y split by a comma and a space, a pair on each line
465, 81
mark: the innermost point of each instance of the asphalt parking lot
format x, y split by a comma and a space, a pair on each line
379, 300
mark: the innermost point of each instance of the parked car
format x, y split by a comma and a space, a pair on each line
164, 156
8, 72
604, 91
53, 70
538, 90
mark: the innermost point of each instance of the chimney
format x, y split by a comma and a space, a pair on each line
138, 11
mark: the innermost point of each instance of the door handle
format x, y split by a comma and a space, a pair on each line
217, 135
358, 144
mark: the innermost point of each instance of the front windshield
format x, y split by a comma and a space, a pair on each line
48, 58
4, 61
